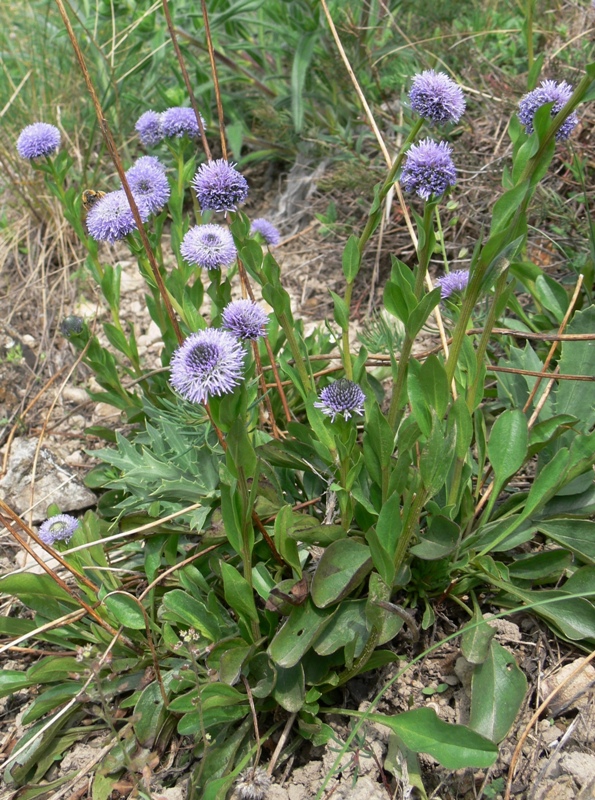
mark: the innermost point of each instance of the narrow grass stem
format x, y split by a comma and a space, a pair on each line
186, 77
374, 217
396, 409
484, 341
409, 528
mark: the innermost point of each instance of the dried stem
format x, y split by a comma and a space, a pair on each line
205, 17
113, 151
184, 71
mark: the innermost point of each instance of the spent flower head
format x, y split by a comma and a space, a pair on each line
148, 127
37, 140
436, 97
267, 230
455, 281
253, 784
179, 121
209, 246
72, 325
428, 169
219, 186
245, 319
59, 528
548, 91
110, 218
148, 184
207, 363
341, 398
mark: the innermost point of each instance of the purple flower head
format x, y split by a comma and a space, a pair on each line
245, 319
267, 230
152, 161
110, 218
453, 282
58, 529
436, 97
219, 186
148, 184
38, 139
179, 121
210, 362
148, 127
428, 169
210, 246
342, 397
548, 92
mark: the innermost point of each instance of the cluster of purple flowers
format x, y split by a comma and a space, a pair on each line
173, 123
219, 186
341, 398
267, 230
436, 97
548, 92
38, 140
455, 281
428, 169
209, 246
211, 362
59, 528
110, 218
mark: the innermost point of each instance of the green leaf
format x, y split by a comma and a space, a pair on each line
341, 312
578, 358
185, 609
498, 688
12, 680
438, 541
290, 688
549, 565
351, 258
343, 566
238, 593
422, 311
347, 624
552, 296
126, 609
398, 300
476, 639
149, 714
299, 71
299, 631
507, 445
51, 699
576, 535
454, 746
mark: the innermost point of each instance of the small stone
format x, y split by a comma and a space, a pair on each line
574, 694
74, 394
580, 765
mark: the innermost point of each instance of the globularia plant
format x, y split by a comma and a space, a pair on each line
281, 526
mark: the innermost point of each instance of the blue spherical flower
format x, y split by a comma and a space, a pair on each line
453, 282
210, 362
267, 230
148, 184
428, 169
209, 246
178, 121
219, 186
153, 161
38, 139
59, 528
110, 218
342, 397
436, 97
148, 127
245, 319
548, 92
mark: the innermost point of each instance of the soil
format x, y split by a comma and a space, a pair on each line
43, 398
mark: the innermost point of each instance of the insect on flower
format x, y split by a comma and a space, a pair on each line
90, 197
